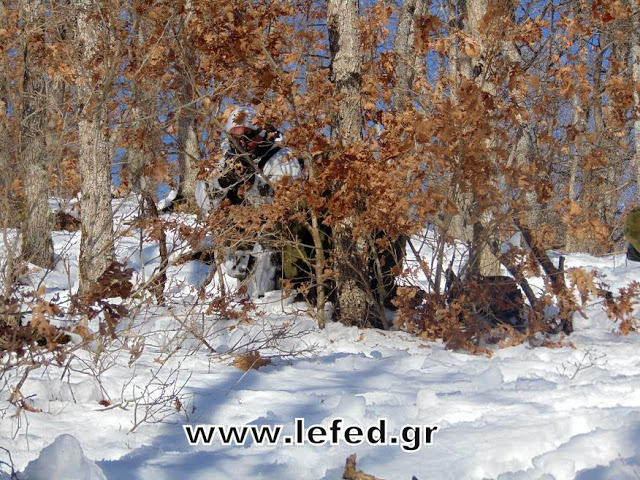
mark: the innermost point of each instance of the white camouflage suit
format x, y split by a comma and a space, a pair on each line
254, 266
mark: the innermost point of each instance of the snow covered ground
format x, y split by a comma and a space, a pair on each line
524, 413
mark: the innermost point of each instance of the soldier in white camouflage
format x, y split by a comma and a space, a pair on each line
253, 160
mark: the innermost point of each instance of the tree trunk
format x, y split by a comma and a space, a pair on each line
96, 245
139, 155
188, 154
354, 301
133, 168
405, 67
481, 259
405, 56
6, 168
635, 59
188, 139
346, 69
572, 242
37, 246
6, 163
605, 178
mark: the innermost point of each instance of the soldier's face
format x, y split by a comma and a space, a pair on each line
245, 137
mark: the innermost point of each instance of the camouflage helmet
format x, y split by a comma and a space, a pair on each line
241, 117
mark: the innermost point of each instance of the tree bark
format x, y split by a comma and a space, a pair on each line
6, 169
188, 154
96, 245
574, 243
405, 68
405, 55
188, 139
606, 178
139, 156
6, 162
635, 59
346, 68
37, 246
481, 259
354, 301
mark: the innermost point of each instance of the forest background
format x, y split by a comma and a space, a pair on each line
511, 128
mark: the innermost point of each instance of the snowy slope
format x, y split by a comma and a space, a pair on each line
524, 413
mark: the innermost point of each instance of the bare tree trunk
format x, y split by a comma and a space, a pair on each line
37, 246
523, 150
6, 167
188, 154
635, 59
140, 153
55, 137
481, 259
606, 178
7, 163
188, 139
405, 56
346, 68
354, 301
476, 9
96, 245
406, 64
460, 66
133, 168
572, 243
620, 53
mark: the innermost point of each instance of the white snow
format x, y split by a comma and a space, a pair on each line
524, 413
63, 459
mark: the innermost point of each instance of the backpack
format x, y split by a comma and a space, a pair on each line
632, 234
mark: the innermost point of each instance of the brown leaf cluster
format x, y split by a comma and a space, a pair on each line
114, 283
621, 308
252, 360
